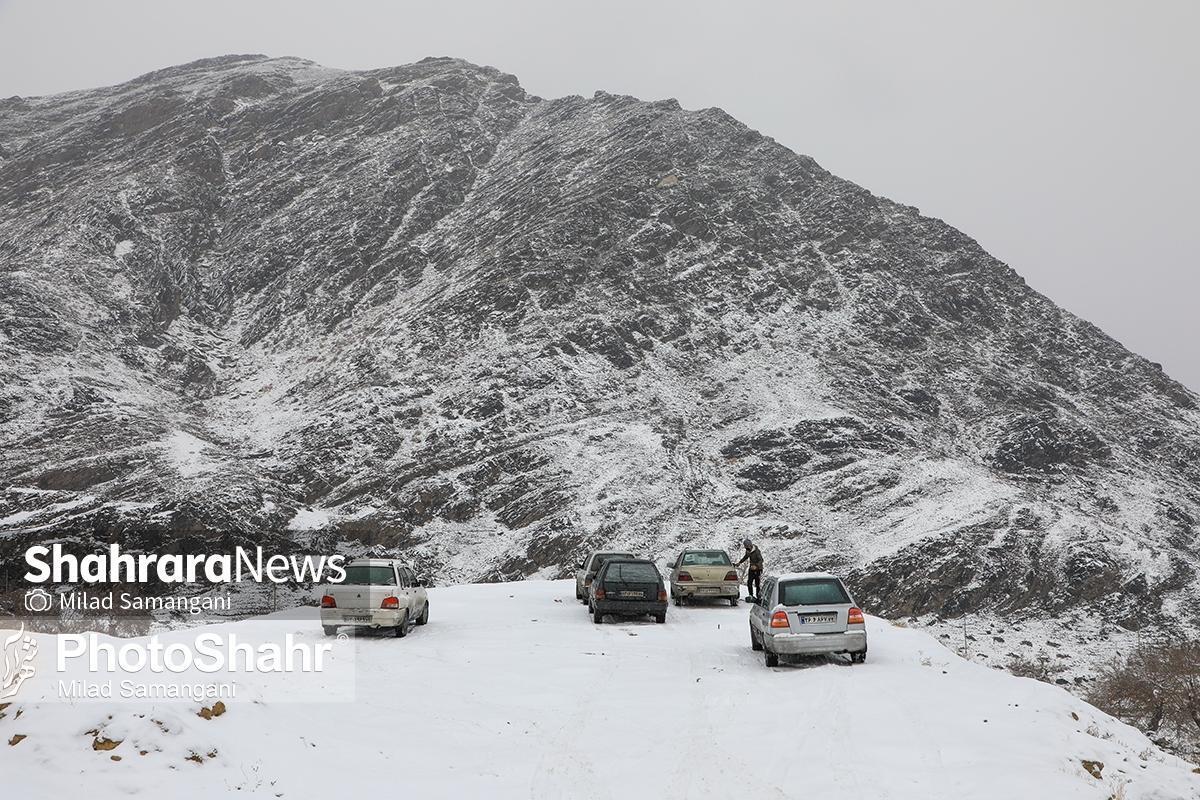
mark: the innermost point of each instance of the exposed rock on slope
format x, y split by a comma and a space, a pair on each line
254, 299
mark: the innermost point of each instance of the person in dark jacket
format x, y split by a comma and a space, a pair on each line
754, 573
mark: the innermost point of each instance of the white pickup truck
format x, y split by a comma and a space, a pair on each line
379, 593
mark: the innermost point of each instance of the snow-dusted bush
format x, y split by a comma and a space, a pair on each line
1157, 688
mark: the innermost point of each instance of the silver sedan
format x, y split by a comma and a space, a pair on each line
807, 613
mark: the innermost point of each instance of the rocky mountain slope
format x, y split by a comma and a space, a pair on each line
259, 300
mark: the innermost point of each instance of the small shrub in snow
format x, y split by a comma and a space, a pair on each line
1042, 668
1157, 689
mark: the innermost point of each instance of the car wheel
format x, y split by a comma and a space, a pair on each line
754, 643
660, 618
330, 630
683, 599
769, 658
733, 601
597, 617
421, 620
402, 628
858, 658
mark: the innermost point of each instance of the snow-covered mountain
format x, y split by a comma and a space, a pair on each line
259, 300
511, 691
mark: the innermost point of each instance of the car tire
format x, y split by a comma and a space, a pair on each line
402, 628
755, 645
858, 658
769, 658
733, 601
330, 630
660, 618
424, 618
597, 617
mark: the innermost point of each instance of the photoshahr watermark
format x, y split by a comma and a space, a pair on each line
18, 661
273, 660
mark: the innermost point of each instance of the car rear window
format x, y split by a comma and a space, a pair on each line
812, 592
706, 558
370, 576
638, 573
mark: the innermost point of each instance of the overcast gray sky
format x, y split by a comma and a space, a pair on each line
1064, 136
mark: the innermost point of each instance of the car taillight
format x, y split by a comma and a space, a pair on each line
779, 620
600, 594
328, 602
390, 602
662, 595
684, 576
731, 576
855, 617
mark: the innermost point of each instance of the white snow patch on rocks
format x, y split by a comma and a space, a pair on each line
310, 519
186, 453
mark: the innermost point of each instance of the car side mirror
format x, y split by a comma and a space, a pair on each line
579, 566
424, 582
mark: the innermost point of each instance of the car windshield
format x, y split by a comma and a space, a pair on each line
636, 572
377, 575
813, 592
599, 559
706, 558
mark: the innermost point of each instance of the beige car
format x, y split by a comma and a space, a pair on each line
378, 593
705, 574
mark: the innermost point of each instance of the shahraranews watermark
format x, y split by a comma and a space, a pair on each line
52, 564
272, 660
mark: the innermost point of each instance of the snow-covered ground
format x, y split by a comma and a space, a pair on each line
511, 691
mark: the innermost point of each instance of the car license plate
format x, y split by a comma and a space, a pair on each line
818, 619
631, 594
709, 590
357, 618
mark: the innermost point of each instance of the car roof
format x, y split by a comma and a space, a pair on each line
792, 576
630, 560
706, 550
375, 562
612, 553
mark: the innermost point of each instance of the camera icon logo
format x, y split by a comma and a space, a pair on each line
38, 600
